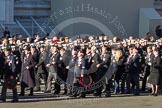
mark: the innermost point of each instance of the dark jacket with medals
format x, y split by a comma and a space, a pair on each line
134, 65
92, 63
104, 65
62, 71
18, 62
9, 67
41, 66
54, 58
120, 68
80, 67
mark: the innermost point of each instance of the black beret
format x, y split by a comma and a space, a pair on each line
33, 46
27, 48
114, 47
75, 48
7, 49
42, 46
136, 48
82, 51
54, 45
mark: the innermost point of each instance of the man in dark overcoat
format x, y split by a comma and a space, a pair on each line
9, 75
27, 73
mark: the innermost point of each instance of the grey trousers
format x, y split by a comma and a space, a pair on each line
51, 76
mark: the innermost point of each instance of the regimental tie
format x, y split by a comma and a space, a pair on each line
103, 57
7, 59
129, 58
148, 56
25, 59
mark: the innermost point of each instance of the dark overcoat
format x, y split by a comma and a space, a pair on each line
27, 75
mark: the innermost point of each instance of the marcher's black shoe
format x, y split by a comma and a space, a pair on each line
143, 90
97, 95
3, 100
31, 94
152, 94
14, 100
82, 96
107, 94
155, 94
136, 94
128, 92
73, 95
21, 94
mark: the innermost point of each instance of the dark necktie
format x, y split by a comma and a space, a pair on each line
102, 57
25, 58
130, 58
90, 58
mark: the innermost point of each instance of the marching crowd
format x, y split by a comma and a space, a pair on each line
119, 64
